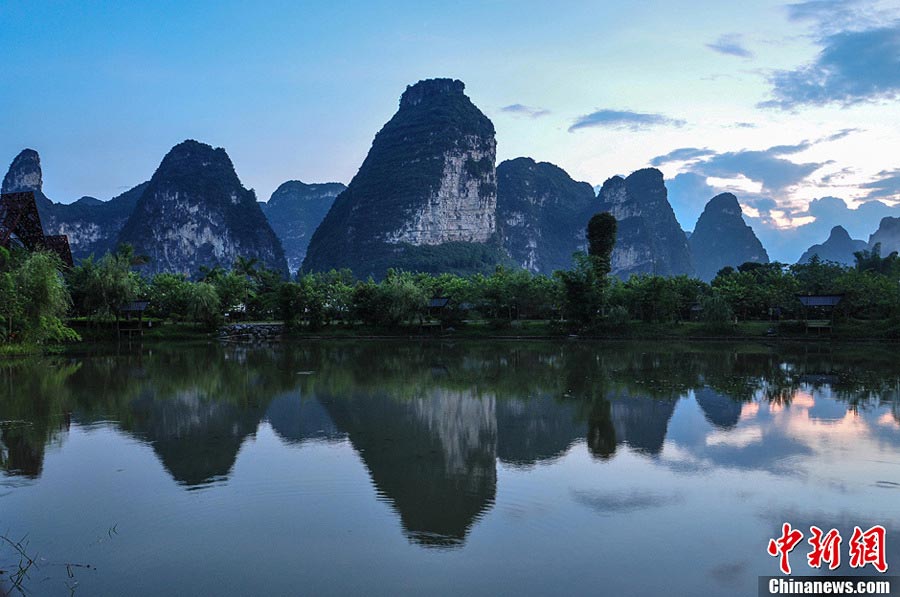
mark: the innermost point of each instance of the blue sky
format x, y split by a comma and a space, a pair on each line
782, 103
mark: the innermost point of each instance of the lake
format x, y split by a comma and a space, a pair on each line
476, 468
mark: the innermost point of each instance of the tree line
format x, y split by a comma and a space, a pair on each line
37, 294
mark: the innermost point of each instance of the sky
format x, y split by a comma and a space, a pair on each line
792, 106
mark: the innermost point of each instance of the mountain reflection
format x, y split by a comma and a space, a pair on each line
432, 457
431, 421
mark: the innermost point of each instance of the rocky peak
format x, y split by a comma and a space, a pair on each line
195, 212
838, 234
191, 160
647, 183
721, 238
725, 204
542, 214
888, 234
429, 90
839, 248
648, 238
24, 174
428, 180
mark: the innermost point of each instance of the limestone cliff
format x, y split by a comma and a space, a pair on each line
425, 198
648, 239
542, 214
722, 238
195, 212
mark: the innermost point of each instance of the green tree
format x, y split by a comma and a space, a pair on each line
102, 287
601, 237
34, 298
204, 306
582, 296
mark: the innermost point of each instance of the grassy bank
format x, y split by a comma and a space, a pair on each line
94, 334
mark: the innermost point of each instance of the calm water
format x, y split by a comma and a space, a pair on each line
470, 468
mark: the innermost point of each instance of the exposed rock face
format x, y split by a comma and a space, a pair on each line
542, 214
649, 239
838, 248
195, 212
25, 175
91, 225
722, 238
295, 210
425, 197
888, 234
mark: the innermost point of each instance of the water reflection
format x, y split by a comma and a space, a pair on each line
431, 422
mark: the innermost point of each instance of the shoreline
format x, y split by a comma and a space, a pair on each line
177, 333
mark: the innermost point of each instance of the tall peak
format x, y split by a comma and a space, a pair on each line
839, 233
431, 88
429, 179
645, 176
24, 173
724, 202
197, 154
721, 238
195, 212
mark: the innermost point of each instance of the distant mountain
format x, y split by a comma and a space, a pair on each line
91, 225
888, 234
542, 214
295, 210
838, 248
722, 238
195, 212
649, 239
424, 199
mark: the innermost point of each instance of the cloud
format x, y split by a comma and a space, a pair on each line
524, 110
766, 167
680, 155
769, 168
821, 10
886, 186
830, 16
852, 67
787, 244
623, 119
730, 45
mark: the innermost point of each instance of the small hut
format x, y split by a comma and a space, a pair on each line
818, 310
130, 318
